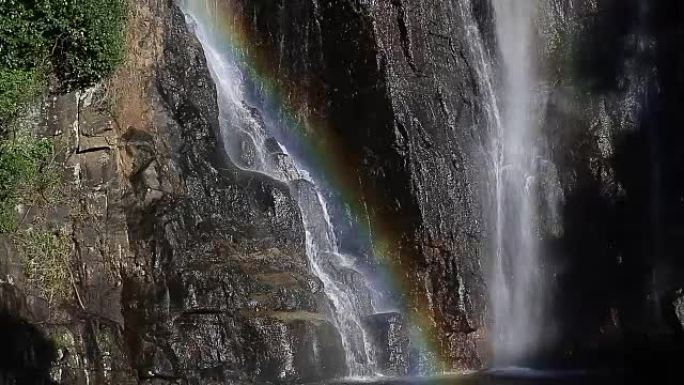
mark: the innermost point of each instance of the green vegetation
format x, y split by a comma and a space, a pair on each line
91, 43
27, 175
78, 41
17, 87
45, 260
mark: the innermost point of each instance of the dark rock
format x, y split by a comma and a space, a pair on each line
27, 355
391, 338
678, 305
611, 71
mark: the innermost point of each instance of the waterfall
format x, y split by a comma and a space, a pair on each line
515, 284
252, 145
516, 288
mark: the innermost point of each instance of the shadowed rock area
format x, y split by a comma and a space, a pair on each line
27, 355
612, 121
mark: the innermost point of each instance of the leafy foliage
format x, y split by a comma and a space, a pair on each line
80, 41
17, 87
23, 33
90, 36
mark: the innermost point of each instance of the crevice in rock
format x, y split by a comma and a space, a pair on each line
93, 149
404, 34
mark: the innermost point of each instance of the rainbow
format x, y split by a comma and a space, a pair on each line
298, 106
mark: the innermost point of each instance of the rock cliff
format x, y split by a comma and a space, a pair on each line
394, 84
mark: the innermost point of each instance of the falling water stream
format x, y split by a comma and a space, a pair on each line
516, 292
516, 286
252, 146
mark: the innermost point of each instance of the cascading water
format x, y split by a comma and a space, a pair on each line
516, 288
251, 146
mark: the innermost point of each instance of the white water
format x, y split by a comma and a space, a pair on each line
516, 288
515, 284
250, 146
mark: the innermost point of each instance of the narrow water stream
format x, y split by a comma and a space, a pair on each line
252, 145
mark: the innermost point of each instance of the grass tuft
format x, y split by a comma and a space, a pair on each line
28, 175
45, 261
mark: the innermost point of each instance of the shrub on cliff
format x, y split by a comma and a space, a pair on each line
89, 38
17, 87
79, 41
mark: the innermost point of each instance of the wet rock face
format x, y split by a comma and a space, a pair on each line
394, 84
219, 253
441, 137
391, 338
219, 290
